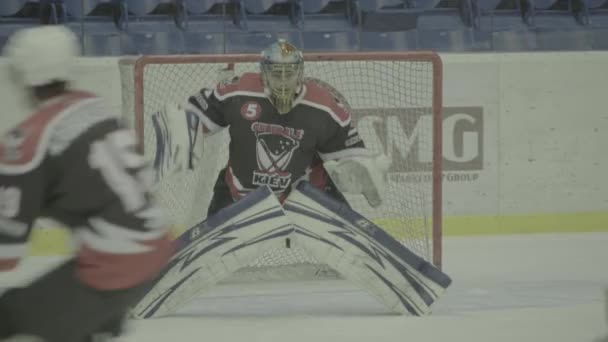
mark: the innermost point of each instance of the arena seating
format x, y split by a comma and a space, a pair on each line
11, 7
118, 27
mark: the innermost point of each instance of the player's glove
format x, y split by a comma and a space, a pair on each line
360, 175
179, 140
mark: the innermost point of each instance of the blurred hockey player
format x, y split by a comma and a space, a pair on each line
282, 129
71, 160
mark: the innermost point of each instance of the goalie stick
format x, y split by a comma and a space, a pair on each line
214, 249
362, 252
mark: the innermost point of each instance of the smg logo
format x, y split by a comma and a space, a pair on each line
405, 135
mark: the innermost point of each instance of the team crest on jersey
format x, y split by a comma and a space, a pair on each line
251, 110
275, 145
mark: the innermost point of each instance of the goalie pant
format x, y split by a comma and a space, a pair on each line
73, 162
222, 197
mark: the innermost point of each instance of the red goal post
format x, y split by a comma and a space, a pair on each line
384, 90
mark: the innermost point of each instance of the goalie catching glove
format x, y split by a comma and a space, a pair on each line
360, 175
178, 144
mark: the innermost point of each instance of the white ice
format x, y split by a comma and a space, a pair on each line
537, 288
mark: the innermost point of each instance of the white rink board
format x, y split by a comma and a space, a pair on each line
533, 288
544, 128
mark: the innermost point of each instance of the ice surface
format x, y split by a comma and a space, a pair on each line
506, 288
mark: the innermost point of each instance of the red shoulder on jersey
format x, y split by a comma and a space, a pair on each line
247, 82
20, 145
325, 100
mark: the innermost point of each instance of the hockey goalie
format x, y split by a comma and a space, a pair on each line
293, 151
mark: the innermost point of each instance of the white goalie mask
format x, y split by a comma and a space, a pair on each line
282, 67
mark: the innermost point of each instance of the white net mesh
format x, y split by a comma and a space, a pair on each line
393, 102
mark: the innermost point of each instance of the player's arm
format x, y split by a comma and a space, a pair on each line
124, 240
21, 194
350, 165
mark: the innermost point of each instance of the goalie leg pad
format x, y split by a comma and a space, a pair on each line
363, 253
216, 248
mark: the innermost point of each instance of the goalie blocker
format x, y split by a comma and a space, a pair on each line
328, 230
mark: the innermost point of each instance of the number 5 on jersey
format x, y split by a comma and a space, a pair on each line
251, 110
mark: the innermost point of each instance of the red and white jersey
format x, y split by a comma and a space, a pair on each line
72, 161
268, 148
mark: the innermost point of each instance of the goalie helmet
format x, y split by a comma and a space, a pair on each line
282, 67
41, 55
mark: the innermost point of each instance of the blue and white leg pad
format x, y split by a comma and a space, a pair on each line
363, 253
216, 248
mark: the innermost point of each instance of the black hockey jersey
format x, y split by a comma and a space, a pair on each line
268, 148
73, 162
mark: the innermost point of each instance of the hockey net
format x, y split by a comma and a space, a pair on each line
395, 101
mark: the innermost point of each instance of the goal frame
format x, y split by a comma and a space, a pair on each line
141, 62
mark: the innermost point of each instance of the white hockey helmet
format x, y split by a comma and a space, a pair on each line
282, 67
42, 54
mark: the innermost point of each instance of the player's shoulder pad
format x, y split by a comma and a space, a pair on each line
26, 145
324, 100
248, 84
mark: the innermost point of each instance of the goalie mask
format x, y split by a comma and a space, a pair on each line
282, 69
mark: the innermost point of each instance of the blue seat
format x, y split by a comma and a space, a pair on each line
373, 5
90, 5
486, 11
486, 6
251, 16
202, 6
543, 4
143, 7
260, 6
75, 8
330, 41
32, 11
543, 8
389, 41
426, 4
238, 42
83, 8
11, 7
313, 6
